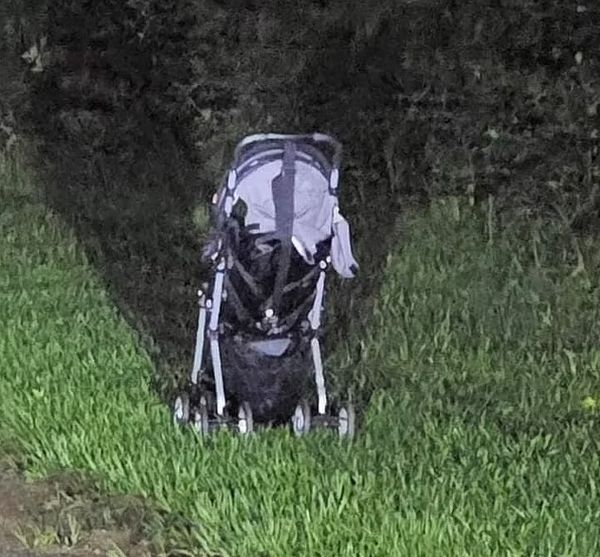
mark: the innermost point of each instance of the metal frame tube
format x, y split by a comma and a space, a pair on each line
214, 336
314, 317
316, 137
200, 334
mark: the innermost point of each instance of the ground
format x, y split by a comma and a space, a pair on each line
34, 521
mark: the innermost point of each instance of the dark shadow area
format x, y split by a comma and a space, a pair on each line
121, 172
116, 167
135, 223
140, 104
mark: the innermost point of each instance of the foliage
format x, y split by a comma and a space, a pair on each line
414, 88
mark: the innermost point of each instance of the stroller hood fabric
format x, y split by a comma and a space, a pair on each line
316, 214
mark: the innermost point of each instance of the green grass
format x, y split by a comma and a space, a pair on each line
480, 352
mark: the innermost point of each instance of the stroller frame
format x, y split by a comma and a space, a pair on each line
251, 152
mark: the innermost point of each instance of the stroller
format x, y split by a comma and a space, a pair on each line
276, 231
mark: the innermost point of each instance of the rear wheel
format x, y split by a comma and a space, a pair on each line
301, 419
347, 421
181, 409
201, 424
245, 421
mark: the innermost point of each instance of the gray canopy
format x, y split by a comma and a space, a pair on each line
315, 215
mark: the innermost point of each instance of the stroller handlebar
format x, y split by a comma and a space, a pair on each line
315, 137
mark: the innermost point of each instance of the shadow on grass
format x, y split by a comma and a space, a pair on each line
134, 220
130, 198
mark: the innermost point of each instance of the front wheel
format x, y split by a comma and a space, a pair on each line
347, 422
301, 419
201, 423
181, 409
245, 421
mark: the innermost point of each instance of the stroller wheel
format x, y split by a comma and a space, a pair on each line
245, 421
181, 409
346, 421
201, 424
301, 419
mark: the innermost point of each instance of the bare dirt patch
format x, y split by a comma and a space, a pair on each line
62, 516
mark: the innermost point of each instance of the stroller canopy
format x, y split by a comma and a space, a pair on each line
303, 203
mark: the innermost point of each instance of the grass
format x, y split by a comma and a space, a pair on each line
480, 352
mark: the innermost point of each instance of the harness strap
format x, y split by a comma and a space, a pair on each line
282, 188
291, 319
240, 310
248, 279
